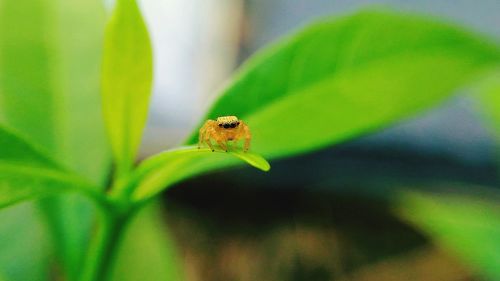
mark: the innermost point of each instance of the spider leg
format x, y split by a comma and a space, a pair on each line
204, 131
247, 144
222, 144
236, 140
201, 136
247, 135
208, 141
207, 137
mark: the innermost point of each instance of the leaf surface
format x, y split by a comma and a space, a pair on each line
162, 170
488, 94
337, 79
468, 226
26, 244
155, 256
50, 53
26, 173
126, 81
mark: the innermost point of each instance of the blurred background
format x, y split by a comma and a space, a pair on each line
328, 220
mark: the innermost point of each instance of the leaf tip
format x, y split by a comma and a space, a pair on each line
266, 166
254, 160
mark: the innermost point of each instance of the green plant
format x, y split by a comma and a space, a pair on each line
330, 82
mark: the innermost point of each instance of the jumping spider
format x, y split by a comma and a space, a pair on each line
224, 129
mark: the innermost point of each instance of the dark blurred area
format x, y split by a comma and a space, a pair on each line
322, 216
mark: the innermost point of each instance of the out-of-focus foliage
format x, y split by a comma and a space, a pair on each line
26, 253
465, 224
26, 173
126, 81
49, 73
341, 78
148, 252
488, 92
468, 226
22, 153
20, 183
49, 54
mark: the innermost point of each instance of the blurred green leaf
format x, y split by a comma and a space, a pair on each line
25, 71
49, 79
80, 136
163, 170
148, 252
50, 53
18, 151
340, 78
467, 226
126, 82
25, 248
19, 183
489, 97
25, 173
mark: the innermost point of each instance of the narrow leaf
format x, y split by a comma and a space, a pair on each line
162, 170
340, 78
126, 82
467, 226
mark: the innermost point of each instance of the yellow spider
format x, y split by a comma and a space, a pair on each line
224, 129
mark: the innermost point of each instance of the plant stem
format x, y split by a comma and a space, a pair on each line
104, 245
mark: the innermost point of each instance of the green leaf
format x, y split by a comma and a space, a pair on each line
24, 244
80, 137
25, 173
163, 170
50, 54
340, 78
25, 69
19, 183
155, 256
126, 82
489, 96
49, 79
466, 225
18, 151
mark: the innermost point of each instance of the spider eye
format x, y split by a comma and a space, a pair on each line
226, 126
233, 125
220, 125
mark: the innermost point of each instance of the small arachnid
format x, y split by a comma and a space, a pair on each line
224, 129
